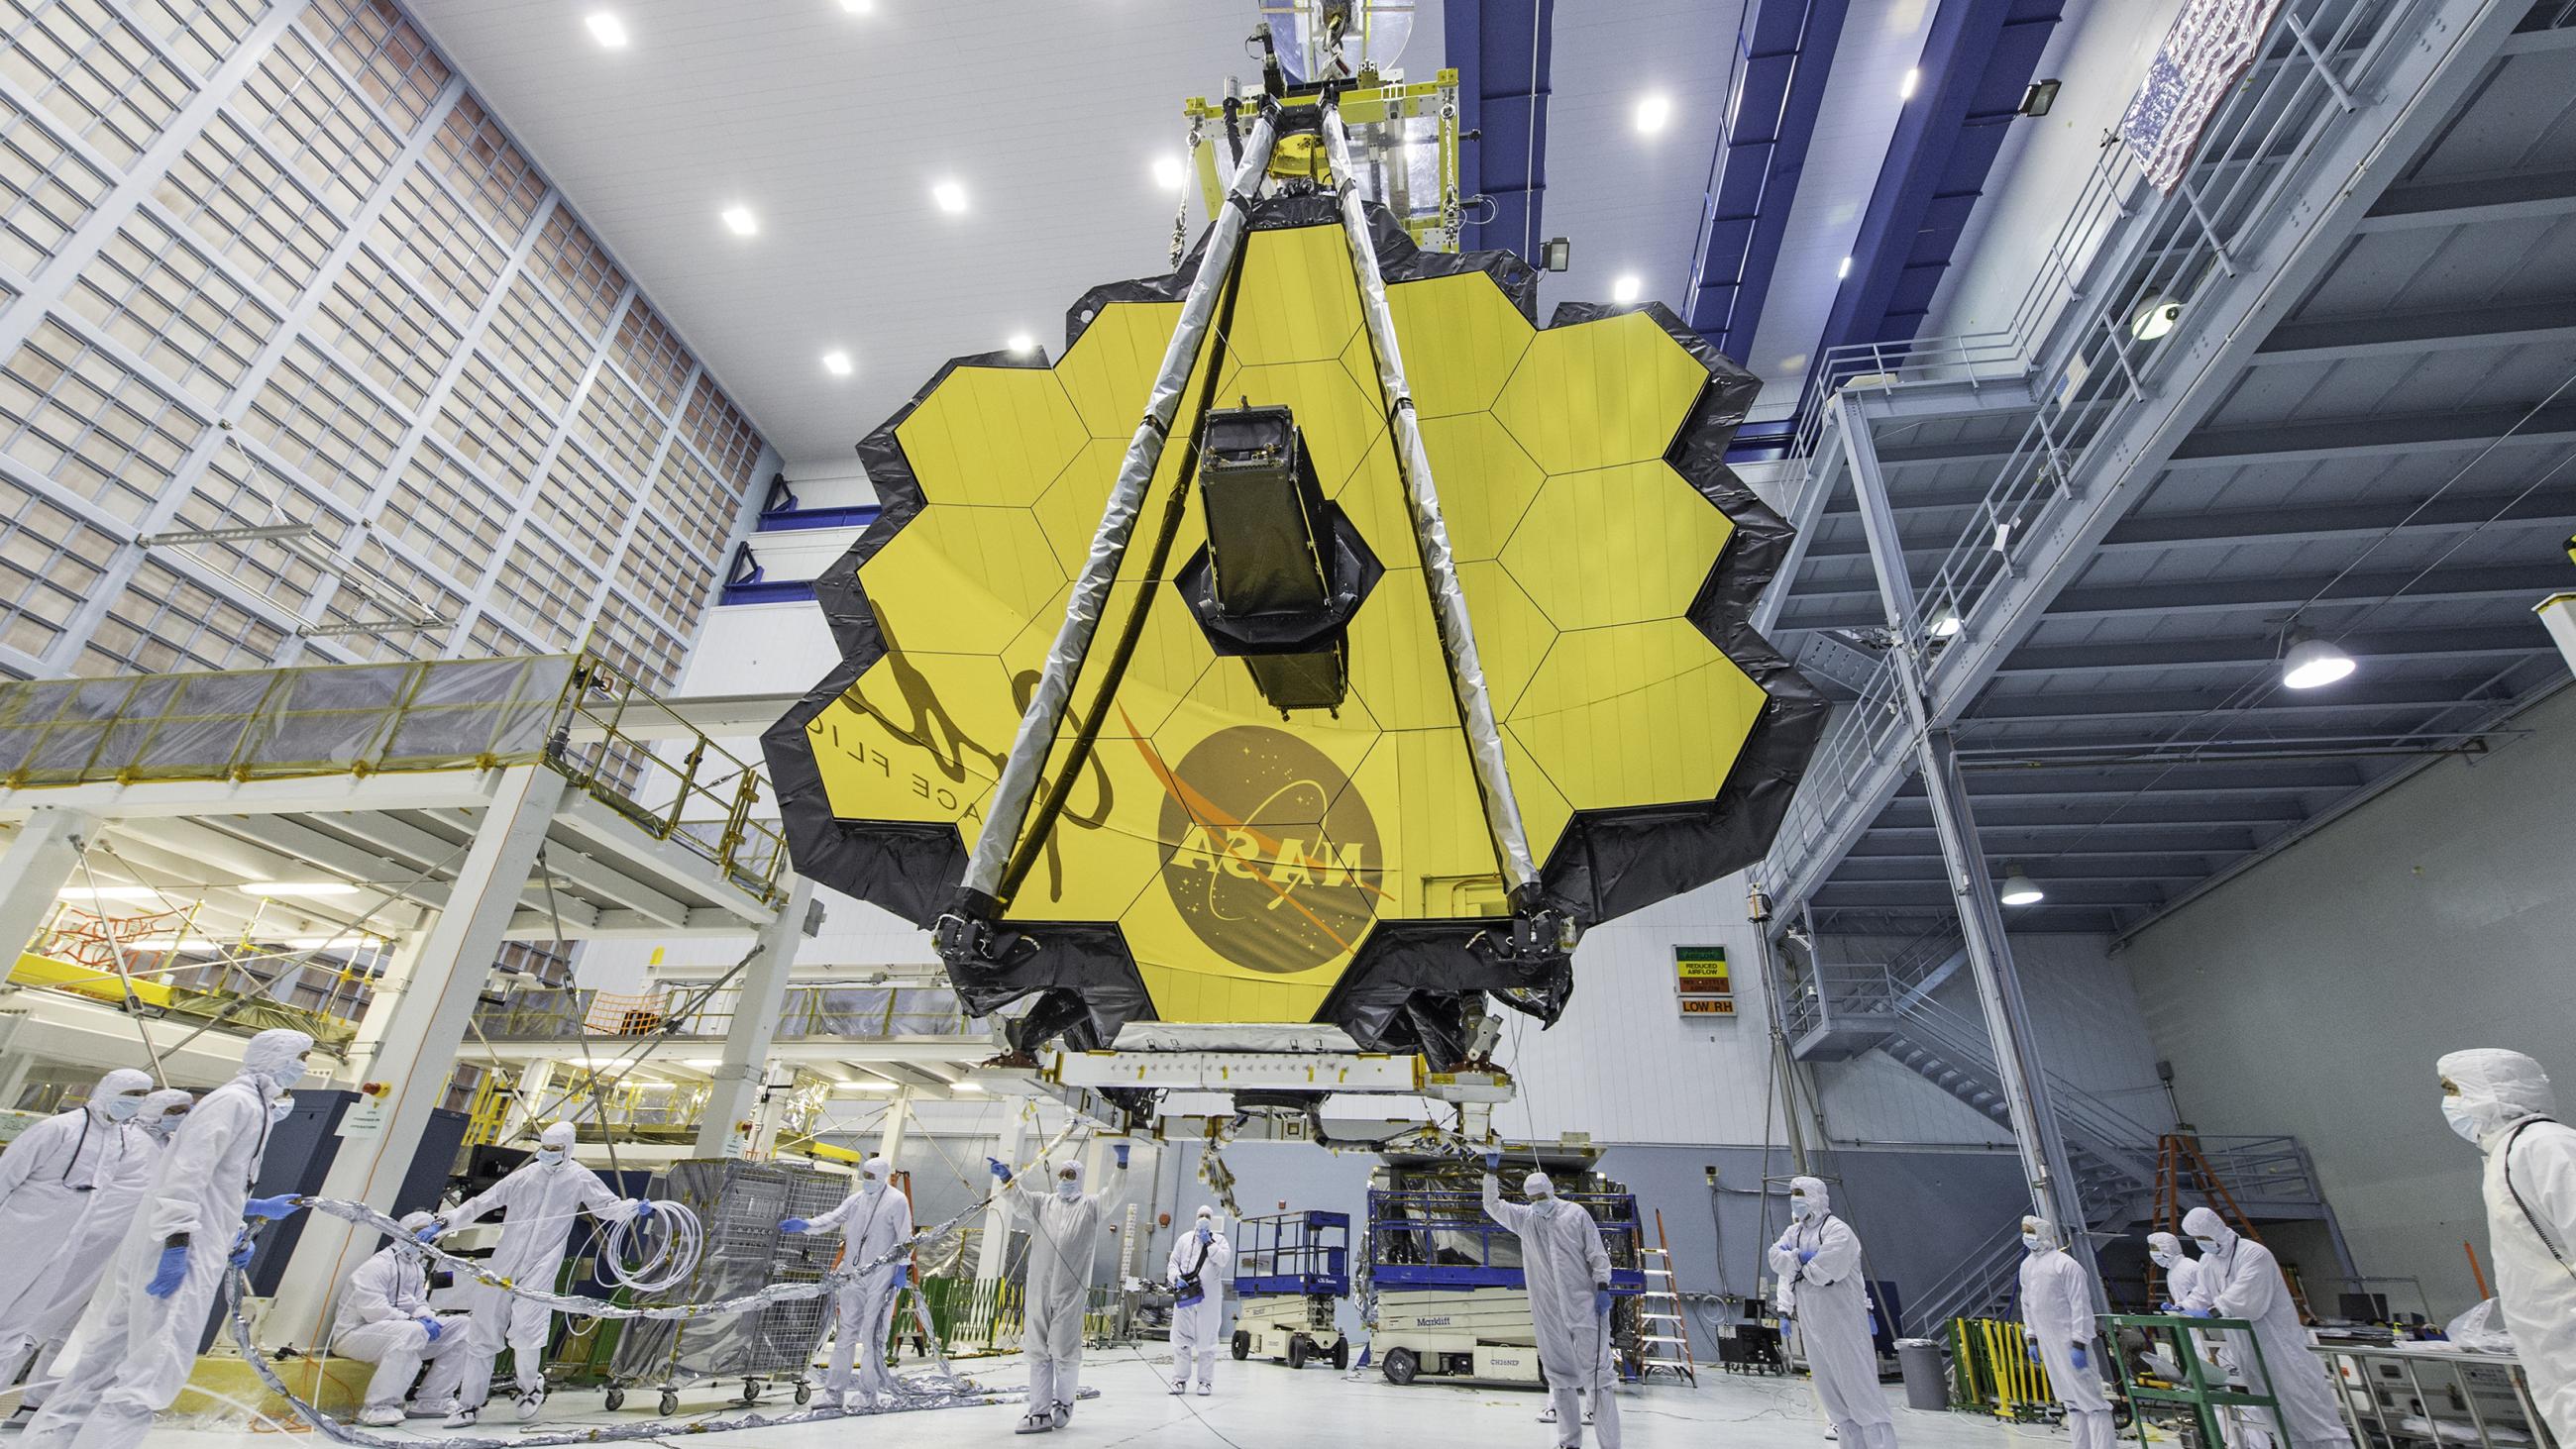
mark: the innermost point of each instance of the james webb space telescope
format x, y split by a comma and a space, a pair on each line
1310, 654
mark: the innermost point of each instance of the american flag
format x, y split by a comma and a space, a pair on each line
2211, 44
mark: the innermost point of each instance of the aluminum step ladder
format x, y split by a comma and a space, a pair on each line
1663, 1333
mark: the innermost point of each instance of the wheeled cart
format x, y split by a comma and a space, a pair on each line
1289, 1271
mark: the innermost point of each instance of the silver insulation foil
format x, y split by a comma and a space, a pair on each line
1009, 813
1439, 568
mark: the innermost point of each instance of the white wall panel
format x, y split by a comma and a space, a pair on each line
2312, 993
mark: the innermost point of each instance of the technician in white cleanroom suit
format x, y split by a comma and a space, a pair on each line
2502, 1101
2239, 1278
51, 1178
2181, 1273
873, 1222
110, 1212
2057, 1313
1064, 1227
1200, 1263
140, 1339
1822, 1293
385, 1319
541, 1197
1567, 1270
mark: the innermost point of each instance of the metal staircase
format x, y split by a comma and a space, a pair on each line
1836, 1012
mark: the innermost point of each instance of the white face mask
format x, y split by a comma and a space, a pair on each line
2164, 1260
165, 1126
2207, 1245
122, 1108
549, 1156
2463, 1119
287, 1074
281, 1109
1802, 1207
1068, 1188
2030, 1240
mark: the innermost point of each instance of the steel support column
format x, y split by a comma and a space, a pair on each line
39, 862
745, 1065
422, 1042
2045, 1165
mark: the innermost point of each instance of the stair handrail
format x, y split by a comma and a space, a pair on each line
2100, 1129
1974, 1280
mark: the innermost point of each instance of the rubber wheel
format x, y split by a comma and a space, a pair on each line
1342, 1354
1401, 1365
670, 1402
750, 1392
1297, 1349
616, 1399
804, 1392
1242, 1346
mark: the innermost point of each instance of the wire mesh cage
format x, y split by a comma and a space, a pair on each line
740, 1204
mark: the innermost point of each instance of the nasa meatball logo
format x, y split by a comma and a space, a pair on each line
1269, 852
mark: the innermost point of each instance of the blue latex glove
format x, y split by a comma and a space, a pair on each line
1806, 1255
430, 1326
903, 1275
2200, 1313
243, 1249
172, 1270
429, 1234
643, 1210
285, 1205
2034, 1353
1000, 1168
1493, 1160
2081, 1360
793, 1225
1600, 1302
1121, 1149
1205, 1236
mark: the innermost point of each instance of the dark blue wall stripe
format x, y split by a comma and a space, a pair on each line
1501, 50
1786, 53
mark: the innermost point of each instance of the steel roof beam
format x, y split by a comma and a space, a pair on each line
2377, 436
2527, 583
2263, 650
2408, 334
2509, 196
2552, 510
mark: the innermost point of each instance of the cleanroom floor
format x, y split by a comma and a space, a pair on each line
1267, 1406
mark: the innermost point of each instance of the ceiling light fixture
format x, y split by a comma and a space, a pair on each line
1945, 624
1843, 271
607, 29
1021, 344
975, 1087
2313, 662
1168, 174
297, 888
1625, 289
2154, 318
1654, 113
2019, 889
1905, 87
860, 7
740, 221
837, 363
107, 893
949, 197
2040, 98
1556, 254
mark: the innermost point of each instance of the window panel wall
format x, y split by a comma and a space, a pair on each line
274, 264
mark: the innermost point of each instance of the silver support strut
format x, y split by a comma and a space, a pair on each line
1439, 569
2046, 1165
1019, 782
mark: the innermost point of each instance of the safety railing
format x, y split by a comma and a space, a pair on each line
2264, 1172
2097, 330
1443, 1237
810, 1013
680, 786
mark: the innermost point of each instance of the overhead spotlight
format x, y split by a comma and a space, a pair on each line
1945, 624
2039, 98
970, 1087
1168, 174
1905, 87
2313, 662
297, 888
1625, 289
740, 221
2019, 889
860, 7
1843, 271
1654, 113
837, 363
1021, 344
2154, 318
1556, 254
107, 893
949, 197
607, 29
